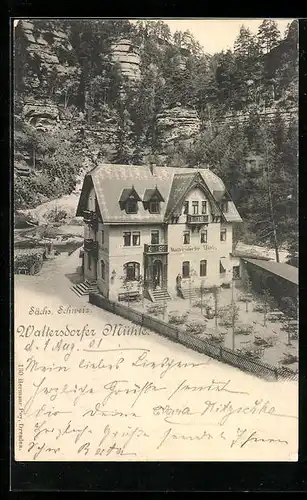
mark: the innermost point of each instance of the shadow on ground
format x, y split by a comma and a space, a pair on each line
75, 277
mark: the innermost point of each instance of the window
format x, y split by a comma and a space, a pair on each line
186, 207
186, 237
131, 206
195, 207
222, 268
155, 237
203, 268
186, 269
103, 269
136, 236
154, 207
203, 207
132, 271
204, 236
102, 237
127, 239
224, 206
223, 235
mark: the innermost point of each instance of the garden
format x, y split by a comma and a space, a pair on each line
238, 319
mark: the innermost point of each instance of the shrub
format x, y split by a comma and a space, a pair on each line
155, 309
246, 297
28, 257
56, 215
199, 303
258, 308
288, 359
253, 353
177, 318
195, 327
216, 339
244, 329
268, 342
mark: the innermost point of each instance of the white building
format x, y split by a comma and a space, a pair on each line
145, 225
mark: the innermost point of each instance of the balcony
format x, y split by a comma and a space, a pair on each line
90, 218
155, 249
91, 246
197, 219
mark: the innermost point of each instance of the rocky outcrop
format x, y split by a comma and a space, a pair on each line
177, 124
41, 114
127, 56
50, 66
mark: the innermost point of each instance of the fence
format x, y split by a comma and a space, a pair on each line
194, 342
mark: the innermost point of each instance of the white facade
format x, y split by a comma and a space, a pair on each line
203, 251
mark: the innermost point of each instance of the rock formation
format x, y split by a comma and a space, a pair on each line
178, 124
127, 56
48, 67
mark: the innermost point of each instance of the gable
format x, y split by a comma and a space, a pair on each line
184, 185
114, 182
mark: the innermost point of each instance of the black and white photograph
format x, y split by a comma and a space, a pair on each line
155, 180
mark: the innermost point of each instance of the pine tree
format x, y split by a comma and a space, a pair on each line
268, 35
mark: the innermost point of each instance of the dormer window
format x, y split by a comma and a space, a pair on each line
131, 206
154, 207
129, 200
152, 199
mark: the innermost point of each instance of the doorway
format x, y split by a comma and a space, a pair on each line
157, 273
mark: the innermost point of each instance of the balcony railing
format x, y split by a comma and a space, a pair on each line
91, 246
90, 218
197, 219
155, 249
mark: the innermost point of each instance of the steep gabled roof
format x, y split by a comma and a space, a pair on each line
152, 193
129, 193
113, 183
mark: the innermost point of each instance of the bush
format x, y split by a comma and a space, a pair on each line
76, 221
56, 215
268, 342
28, 257
199, 303
177, 318
155, 309
244, 329
195, 327
246, 297
258, 308
288, 359
216, 339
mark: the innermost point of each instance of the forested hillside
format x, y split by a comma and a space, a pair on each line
112, 91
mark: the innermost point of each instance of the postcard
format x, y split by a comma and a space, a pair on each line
155, 240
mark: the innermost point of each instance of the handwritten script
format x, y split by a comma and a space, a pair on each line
83, 393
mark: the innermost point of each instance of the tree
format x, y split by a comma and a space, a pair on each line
268, 35
215, 291
269, 303
248, 287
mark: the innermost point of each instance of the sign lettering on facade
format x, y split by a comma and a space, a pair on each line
192, 248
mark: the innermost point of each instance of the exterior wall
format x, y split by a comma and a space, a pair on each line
120, 254
213, 251
103, 255
115, 255
90, 233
